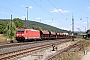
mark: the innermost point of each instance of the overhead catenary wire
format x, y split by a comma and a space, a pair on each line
72, 12
43, 8
55, 7
1, 15
79, 10
60, 7
14, 5
46, 5
11, 10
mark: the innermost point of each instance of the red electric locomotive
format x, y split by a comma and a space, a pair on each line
23, 34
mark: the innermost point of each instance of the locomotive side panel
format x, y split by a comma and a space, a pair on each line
32, 34
27, 34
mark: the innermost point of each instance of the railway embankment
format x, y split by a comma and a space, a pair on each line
79, 51
15, 50
86, 55
46, 50
49, 53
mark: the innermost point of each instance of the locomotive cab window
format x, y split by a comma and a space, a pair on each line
20, 31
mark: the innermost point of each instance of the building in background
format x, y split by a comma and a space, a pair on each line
88, 33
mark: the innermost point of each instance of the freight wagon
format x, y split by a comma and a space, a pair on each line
24, 34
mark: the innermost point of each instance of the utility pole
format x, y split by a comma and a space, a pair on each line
25, 23
85, 28
27, 16
87, 23
11, 30
11, 27
72, 28
52, 19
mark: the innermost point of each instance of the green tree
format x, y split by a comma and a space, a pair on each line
70, 32
18, 23
2, 27
49, 30
10, 31
37, 28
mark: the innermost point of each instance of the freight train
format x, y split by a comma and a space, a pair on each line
24, 34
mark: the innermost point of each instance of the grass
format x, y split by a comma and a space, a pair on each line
2, 38
70, 56
87, 38
74, 55
78, 55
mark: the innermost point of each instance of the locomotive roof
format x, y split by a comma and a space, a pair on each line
32, 30
27, 29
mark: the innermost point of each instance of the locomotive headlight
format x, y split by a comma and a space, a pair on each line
17, 34
22, 34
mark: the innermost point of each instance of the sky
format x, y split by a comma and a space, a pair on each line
57, 13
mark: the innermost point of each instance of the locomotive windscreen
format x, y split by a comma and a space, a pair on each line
20, 31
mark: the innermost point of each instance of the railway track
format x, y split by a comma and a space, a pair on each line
14, 50
73, 48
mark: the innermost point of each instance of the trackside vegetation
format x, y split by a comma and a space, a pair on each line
8, 27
